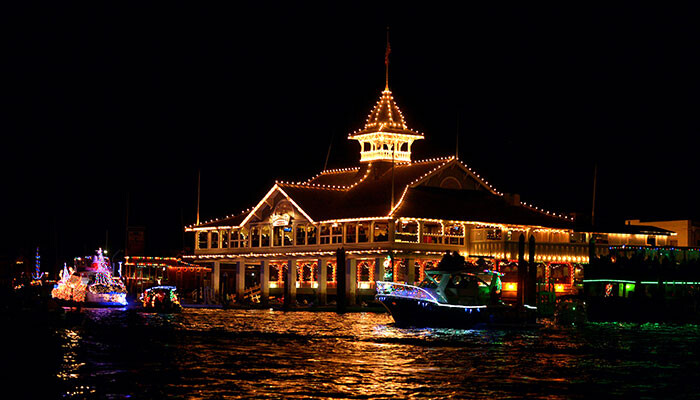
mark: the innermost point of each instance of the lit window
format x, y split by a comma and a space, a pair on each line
311, 234
407, 231
325, 234
202, 240
255, 236
381, 232
337, 233
454, 234
362, 232
224, 239
494, 234
350, 233
287, 236
432, 233
264, 236
277, 234
214, 240
243, 237
235, 242
301, 235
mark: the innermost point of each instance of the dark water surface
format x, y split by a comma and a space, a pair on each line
264, 354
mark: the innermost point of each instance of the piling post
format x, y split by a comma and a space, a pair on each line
216, 280
341, 276
410, 271
264, 283
531, 287
521, 270
322, 290
351, 279
591, 251
240, 280
290, 284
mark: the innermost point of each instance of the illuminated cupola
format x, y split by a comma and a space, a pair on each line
385, 136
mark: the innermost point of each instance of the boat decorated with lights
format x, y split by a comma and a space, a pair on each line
91, 283
454, 294
162, 299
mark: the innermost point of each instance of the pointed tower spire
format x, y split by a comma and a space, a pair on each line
385, 136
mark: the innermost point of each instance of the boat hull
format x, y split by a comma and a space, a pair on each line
163, 309
89, 304
422, 313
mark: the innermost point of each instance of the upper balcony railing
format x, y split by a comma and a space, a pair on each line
373, 155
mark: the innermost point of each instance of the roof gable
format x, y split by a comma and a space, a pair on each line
276, 208
455, 175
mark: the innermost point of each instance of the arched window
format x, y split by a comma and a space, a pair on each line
450, 183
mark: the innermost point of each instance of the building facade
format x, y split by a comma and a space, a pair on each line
687, 232
394, 217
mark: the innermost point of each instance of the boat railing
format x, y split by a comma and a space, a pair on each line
403, 290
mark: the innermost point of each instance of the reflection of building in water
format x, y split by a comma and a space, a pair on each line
388, 204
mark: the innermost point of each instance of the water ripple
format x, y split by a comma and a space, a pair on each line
236, 354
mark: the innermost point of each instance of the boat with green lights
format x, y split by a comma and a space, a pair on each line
162, 299
644, 284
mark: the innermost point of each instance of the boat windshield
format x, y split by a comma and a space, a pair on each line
466, 289
432, 280
428, 283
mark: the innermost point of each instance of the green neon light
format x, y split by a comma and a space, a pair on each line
607, 280
642, 282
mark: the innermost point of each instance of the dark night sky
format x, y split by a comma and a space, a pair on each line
109, 100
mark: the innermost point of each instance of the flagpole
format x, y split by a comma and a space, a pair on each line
386, 58
393, 148
199, 179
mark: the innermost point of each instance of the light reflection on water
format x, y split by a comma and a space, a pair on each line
264, 354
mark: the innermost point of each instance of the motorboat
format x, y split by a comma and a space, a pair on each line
460, 298
162, 299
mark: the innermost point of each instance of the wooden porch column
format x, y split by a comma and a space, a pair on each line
215, 281
264, 282
322, 291
379, 270
410, 271
351, 279
290, 287
239, 267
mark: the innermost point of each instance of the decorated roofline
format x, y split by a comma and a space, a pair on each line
445, 162
483, 224
309, 185
281, 256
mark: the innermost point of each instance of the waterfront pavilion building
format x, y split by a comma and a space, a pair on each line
394, 217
